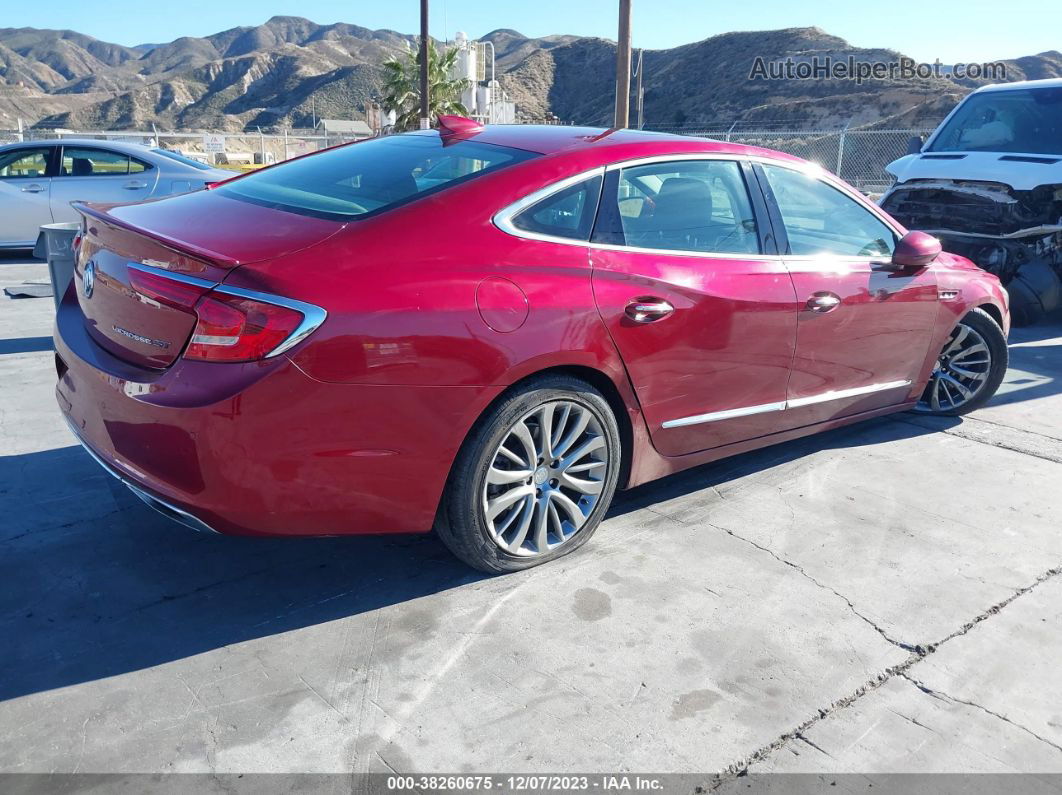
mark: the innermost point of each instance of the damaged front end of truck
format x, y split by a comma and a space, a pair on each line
988, 184
1015, 234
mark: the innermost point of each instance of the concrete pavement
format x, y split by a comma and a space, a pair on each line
884, 598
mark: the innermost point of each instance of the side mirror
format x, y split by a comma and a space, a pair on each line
915, 250
914, 145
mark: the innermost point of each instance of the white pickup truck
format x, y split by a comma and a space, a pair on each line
988, 183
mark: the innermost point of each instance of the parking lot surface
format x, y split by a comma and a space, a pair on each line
883, 598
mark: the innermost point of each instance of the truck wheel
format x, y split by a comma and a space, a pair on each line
1034, 291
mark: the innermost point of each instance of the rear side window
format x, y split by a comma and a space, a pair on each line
364, 179
24, 163
691, 205
567, 213
182, 159
97, 163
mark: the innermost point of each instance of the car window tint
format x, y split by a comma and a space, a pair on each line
24, 163
819, 219
693, 205
567, 213
136, 167
359, 180
86, 162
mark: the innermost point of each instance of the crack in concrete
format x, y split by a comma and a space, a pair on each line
898, 643
741, 767
939, 694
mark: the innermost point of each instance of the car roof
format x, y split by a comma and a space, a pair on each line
1054, 82
551, 139
118, 146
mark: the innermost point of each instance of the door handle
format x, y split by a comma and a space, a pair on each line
648, 309
821, 303
34, 188
134, 185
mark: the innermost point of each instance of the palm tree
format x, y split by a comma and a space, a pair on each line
402, 87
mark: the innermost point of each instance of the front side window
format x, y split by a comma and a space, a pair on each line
359, 180
567, 213
819, 219
24, 163
692, 205
85, 162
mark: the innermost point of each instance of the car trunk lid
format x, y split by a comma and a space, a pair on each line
141, 268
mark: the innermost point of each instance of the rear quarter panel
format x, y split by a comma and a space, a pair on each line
433, 294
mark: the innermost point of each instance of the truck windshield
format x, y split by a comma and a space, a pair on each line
353, 182
1020, 121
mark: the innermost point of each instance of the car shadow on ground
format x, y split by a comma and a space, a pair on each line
97, 585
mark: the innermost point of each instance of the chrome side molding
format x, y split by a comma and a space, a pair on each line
785, 405
729, 414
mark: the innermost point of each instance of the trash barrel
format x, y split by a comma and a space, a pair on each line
55, 243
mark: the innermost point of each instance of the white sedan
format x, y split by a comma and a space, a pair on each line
39, 179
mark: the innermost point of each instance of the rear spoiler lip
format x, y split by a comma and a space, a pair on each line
100, 213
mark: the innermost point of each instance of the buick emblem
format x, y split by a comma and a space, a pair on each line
89, 279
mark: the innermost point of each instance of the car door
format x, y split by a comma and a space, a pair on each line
864, 328
700, 307
98, 175
24, 194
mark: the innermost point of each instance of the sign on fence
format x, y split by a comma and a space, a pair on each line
214, 144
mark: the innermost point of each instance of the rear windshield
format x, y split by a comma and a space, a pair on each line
1020, 121
364, 179
181, 159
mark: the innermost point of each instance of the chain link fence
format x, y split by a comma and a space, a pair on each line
857, 156
228, 150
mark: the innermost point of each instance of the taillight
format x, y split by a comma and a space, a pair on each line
165, 290
236, 329
232, 324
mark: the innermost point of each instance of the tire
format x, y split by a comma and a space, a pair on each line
480, 520
1034, 291
963, 366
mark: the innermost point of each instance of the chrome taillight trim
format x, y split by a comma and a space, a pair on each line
312, 316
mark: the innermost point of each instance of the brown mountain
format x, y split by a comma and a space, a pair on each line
271, 74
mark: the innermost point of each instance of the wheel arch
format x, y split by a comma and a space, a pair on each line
992, 311
624, 407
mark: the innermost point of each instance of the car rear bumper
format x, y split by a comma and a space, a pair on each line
262, 448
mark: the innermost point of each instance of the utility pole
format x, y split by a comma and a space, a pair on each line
425, 118
623, 67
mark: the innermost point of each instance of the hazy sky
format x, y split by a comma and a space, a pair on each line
973, 30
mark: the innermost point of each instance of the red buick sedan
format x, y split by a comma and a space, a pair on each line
487, 331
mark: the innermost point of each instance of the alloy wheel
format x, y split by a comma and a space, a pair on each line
545, 478
960, 372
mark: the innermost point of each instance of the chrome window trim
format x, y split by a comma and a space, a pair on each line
785, 405
312, 316
503, 219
